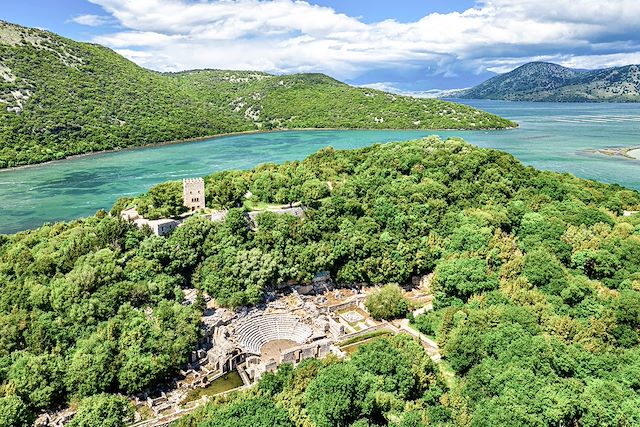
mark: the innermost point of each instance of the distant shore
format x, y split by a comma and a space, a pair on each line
222, 135
132, 148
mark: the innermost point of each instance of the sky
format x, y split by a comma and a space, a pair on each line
401, 45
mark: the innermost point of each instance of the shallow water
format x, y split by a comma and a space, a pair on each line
551, 136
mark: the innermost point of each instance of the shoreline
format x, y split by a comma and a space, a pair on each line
226, 134
629, 153
634, 153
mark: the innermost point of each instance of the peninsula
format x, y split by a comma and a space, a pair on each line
437, 281
60, 98
623, 152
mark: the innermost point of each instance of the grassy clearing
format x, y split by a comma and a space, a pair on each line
364, 337
145, 413
351, 348
447, 373
225, 383
254, 205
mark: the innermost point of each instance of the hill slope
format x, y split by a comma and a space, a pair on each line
59, 97
536, 284
542, 81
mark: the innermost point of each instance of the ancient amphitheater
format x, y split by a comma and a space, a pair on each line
257, 331
295, 324
283, 331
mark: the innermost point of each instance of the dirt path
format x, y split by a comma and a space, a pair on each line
430, 345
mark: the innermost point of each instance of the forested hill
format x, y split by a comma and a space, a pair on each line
59, 97
542, 81
537, 292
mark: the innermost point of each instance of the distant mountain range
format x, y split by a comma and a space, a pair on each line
543, 81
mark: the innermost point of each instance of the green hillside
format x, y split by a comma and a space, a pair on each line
543, 81
537, 291
59, 97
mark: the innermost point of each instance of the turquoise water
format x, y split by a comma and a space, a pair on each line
551, 136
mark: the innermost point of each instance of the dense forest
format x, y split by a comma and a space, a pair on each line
59, 97
537, 291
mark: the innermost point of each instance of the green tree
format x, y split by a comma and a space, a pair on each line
544, 270
37, 379
334, 397
274, 383
162, 200
255, 412
394, 367
387, 303
313, 190
103, 410
92, 368
463, 277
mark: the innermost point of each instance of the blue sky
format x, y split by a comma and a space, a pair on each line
401, 10
401, 45
55, 15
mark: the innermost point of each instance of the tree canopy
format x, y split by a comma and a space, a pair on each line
103, 411
536, 284
387, 303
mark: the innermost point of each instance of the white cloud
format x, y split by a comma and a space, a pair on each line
600, 61
137, 38
292, 36
391, 87
90, 20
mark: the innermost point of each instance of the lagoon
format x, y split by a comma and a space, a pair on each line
551, 136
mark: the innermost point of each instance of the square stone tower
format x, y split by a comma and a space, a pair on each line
193, 193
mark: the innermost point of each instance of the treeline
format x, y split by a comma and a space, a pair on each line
79, 98
537, 275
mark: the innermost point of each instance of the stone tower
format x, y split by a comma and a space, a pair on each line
193, 193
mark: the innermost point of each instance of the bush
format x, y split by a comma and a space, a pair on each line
14, 413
